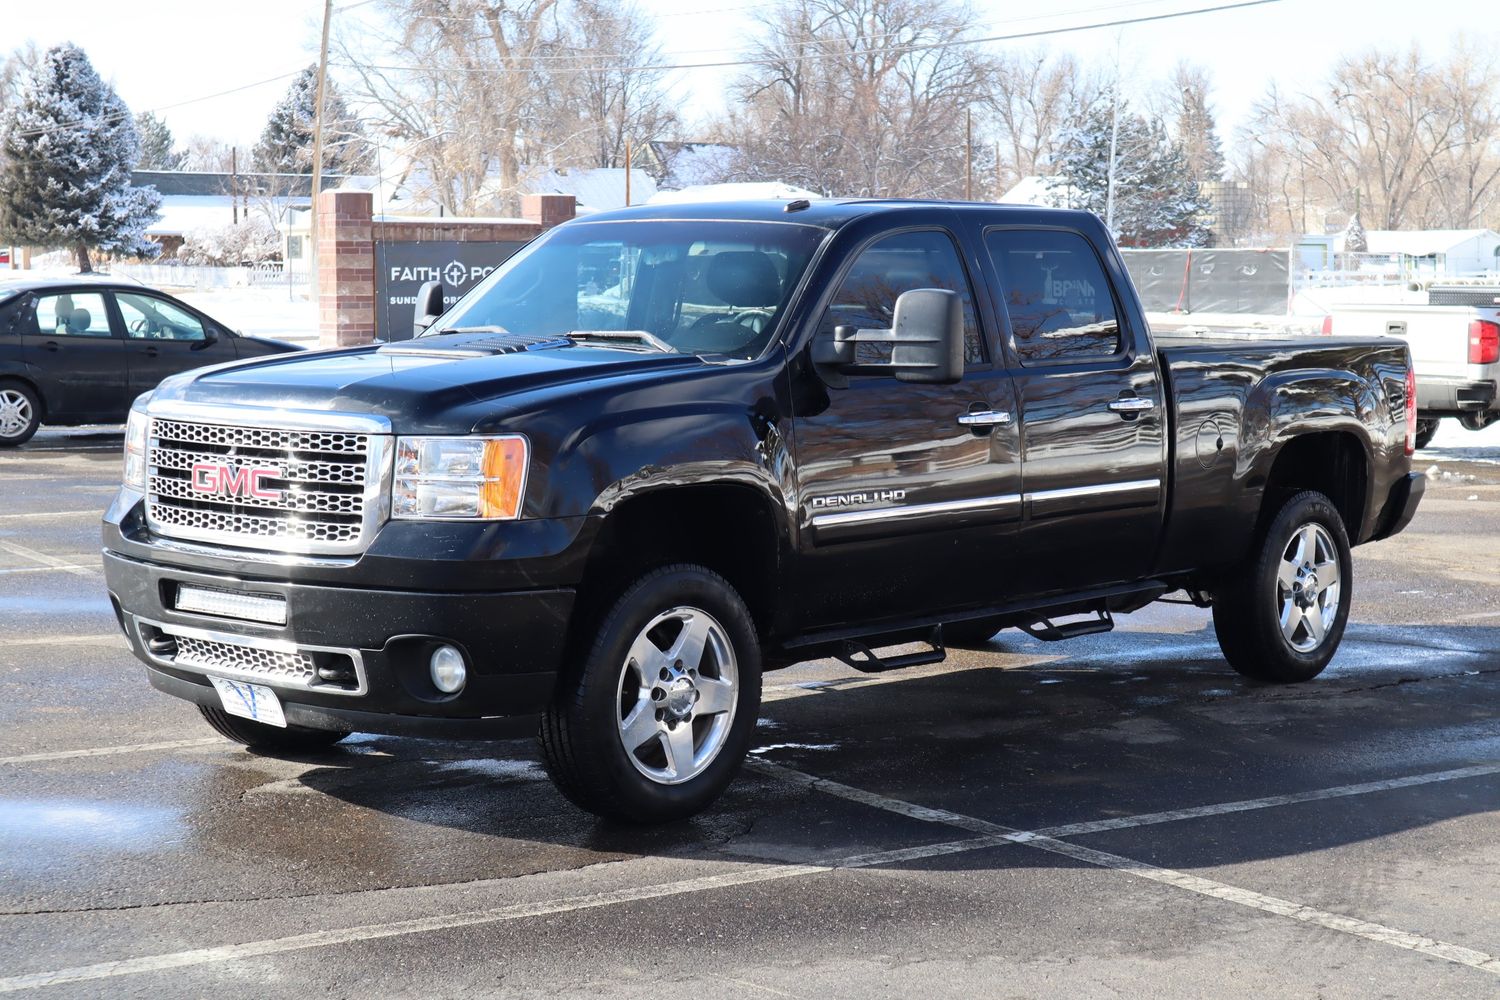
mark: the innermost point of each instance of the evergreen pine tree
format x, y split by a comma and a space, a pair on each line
1198, 134
286, 143
1157, 201
1355, 240
68, 145
156, 144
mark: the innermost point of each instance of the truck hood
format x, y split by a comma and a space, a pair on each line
414, 382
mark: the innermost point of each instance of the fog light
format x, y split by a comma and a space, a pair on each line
448, 670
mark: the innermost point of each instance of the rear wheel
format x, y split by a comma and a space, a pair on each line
653, 723
1282, 614
20, 414
270, 739
975, 632
1426, 428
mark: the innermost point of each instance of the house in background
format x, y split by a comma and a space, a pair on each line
193, 200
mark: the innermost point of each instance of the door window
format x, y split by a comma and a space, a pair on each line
72, 315
866, 298
1058, 297
148, 318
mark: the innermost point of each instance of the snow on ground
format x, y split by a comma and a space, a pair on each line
1454, 443
260, 312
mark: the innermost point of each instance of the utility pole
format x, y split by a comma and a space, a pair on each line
968, 155
234, 182
317, 177
1114, 140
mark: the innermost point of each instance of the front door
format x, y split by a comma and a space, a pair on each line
903, 508
162, 339
81, 361
1092, 413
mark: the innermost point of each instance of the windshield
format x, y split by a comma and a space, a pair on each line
693, 287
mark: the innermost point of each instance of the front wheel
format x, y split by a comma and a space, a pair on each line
653, 722
269, 739
1281, 616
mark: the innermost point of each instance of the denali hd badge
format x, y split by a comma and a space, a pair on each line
234, 481
855, 499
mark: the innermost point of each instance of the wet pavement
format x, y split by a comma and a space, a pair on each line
1118, 815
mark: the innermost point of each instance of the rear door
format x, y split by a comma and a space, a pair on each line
164, 338
1092, 410
80, 361
904, 510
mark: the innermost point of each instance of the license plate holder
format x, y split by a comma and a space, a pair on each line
255, 702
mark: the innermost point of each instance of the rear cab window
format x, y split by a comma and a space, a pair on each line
1060, 302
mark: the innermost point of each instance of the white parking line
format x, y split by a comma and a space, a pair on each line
31, 758
69, 568
994, 835
97, 639
47, 560
1040, 840
51, 513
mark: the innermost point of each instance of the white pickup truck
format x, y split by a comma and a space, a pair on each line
1455, 348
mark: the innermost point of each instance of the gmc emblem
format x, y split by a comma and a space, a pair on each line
234, 481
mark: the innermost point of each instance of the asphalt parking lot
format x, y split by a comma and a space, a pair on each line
1117, 816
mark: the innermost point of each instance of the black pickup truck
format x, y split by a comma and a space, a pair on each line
665, 449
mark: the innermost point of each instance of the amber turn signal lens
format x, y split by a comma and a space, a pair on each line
504, 477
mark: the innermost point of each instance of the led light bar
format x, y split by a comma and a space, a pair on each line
226, 604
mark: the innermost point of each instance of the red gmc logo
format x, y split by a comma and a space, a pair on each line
234, 481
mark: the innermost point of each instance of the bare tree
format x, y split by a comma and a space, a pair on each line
861, 97
1417, 144
204, 152
1033, 96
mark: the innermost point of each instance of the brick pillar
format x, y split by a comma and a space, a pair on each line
548, 210
346, 268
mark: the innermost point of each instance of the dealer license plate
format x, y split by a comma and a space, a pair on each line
250, 701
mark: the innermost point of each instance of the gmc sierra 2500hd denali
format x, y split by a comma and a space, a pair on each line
664, 449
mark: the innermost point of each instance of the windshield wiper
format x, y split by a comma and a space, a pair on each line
639, 337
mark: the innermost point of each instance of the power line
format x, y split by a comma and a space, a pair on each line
891, 50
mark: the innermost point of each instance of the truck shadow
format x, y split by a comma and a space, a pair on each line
1118, 726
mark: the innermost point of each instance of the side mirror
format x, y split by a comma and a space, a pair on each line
926, 338
429, 307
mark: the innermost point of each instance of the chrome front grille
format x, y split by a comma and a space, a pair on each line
295, 667
314, 491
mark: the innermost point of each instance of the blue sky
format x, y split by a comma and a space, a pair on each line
164, 52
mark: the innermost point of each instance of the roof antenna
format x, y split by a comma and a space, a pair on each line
797, 205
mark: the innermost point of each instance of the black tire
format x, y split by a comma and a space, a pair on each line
975, 633
23, 397
581, 732
1426, 429
269, 739
1248, 607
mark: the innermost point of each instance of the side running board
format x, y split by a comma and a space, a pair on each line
1049, 631
864, 659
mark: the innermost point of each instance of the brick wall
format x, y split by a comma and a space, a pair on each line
348, 232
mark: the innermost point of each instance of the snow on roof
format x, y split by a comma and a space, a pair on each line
748, 191
1029, 190
597, 189
1422, 242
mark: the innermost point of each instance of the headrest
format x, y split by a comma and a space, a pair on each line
744, 278
79, 320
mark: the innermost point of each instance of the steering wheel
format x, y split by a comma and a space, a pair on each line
139, 326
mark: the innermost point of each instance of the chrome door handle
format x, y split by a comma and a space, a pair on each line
984, 418
1132, 404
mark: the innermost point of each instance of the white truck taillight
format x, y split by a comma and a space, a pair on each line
1484, 342
1411, 409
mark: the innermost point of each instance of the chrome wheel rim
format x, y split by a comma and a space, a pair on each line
15, 413
677, 694
1308, 587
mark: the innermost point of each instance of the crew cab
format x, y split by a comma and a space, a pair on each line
663, 450
1455, 345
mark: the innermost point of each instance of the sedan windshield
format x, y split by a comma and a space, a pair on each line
699, 287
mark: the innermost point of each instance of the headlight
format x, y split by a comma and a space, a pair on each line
481, 478
136, 430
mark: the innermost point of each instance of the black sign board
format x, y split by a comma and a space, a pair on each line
402, 268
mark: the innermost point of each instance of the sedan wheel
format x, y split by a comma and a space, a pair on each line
19, 415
